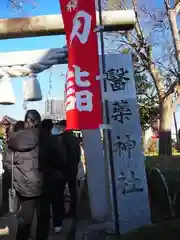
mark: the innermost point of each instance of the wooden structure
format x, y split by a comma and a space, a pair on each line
6, 123
53, 24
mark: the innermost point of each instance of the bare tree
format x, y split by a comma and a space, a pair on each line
142, 43
18, 4
173, 13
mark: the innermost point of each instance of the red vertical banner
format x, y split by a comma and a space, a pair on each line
83, 93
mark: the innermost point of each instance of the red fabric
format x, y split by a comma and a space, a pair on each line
155, 137
83, 55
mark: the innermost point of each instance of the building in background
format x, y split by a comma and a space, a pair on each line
6, 125
54, 109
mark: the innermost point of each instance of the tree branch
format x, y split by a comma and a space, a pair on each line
137, 25
171, 88
177, 8
167, 4
15, 4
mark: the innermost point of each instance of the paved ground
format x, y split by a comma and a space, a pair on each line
11, 223
69, 226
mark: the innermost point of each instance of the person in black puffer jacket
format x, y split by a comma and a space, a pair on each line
28, 180
6, 185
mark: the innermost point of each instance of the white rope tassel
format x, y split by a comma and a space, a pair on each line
6, 91
32, 89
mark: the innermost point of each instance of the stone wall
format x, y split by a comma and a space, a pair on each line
163, 162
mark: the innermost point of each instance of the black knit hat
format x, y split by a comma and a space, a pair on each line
33, 117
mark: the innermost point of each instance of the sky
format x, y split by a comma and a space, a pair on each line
43, 7
56, 72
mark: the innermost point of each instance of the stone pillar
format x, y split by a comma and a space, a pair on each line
131, 185
95, 174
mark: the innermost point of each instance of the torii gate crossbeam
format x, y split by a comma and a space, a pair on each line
53, 24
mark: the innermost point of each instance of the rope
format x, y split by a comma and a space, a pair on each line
53, 57
50, 84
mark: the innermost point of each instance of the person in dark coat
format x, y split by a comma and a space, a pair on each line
28, 181
73, 153
6, 185
53, 167
18, 126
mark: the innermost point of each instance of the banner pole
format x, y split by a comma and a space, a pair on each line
107, 139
